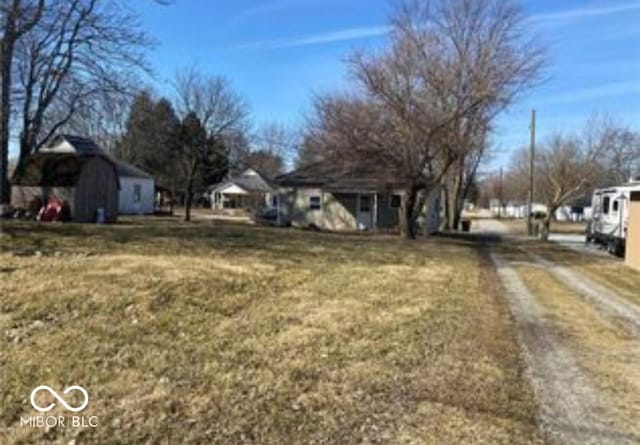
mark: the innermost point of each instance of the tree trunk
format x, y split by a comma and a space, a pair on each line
188, 199
408, 214
544, 230
445, 224
458, 204
454, 197
173, 187
14, 25
6, 57
27, 147
546, 223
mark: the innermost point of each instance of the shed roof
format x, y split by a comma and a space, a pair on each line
79, 145
130, 171
56, 169
68, 143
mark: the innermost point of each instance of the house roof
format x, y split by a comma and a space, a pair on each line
250, 180
336, 176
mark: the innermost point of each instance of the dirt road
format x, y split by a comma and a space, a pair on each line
580, 342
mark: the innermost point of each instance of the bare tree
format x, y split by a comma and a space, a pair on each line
78, 51
221, 113
273, 145
619, 146
448, 62
462, 175
213, 100
102, 119
18, 18
567, 166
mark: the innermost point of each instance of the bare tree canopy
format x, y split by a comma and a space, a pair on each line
78, 52
272, 146
569, 166
212, 99
213, 114
619, 148
424, 102
18, 18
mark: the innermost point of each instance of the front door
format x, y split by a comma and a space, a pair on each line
365, 212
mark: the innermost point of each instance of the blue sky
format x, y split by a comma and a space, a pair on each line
277, 53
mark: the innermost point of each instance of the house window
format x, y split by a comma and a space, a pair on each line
315, 203
395, 201
137, 193
615, 206
605, 205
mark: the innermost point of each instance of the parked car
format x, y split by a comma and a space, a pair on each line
271, 216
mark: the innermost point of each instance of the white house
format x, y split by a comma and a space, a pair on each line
249, 190
364, 196
573, 213
137, 190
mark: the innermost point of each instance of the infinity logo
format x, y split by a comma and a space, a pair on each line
59, 399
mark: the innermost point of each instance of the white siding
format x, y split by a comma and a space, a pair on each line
128, 204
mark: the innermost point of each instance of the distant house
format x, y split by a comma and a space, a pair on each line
137, 190
249, 190
514, 209
334, 197
74, 170
576, 211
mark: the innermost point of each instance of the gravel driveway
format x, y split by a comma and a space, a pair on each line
571, 410
573, 406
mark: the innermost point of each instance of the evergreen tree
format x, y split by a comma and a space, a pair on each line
136, 145
215, 163
151, 141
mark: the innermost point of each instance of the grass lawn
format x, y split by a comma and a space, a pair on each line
519, 226
605, 347
219, 333
609, 271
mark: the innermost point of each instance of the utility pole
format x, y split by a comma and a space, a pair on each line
532, 157
501, 193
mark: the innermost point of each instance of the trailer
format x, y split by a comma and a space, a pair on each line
610, 217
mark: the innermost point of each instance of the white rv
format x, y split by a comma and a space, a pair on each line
610, 217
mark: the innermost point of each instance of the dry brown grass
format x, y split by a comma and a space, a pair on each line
216, 333
605, 347
607, 270
519, 226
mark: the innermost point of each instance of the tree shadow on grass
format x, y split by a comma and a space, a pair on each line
203, 238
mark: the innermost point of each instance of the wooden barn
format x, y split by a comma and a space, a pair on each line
72, 169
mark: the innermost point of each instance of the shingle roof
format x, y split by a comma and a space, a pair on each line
52, 169
332, 175
79, 145
85, 146
250, 180
130, 171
